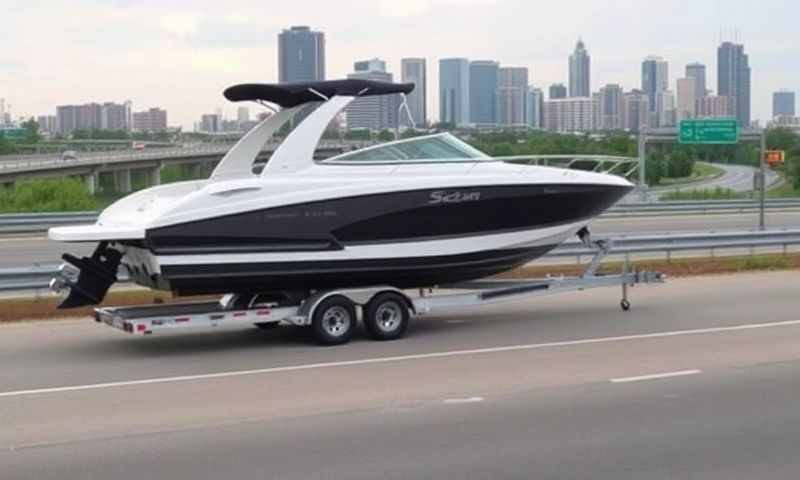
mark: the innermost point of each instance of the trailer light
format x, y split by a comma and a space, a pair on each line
181, 319
140, 327
263, 312
240, 314
216, 317
128, 327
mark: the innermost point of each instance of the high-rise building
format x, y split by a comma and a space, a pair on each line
47, 123
242, 115
413, 70
534, 108
2, 112
301, 55
733, 80
210, 123
483, 92
570, 114
665, 108
713, 106
783, 104
512, 89
697, 71
454, 91
373, 112
655, 78
687, 98
637, 111
115, 116
557, 90
109, 116
611, 111
580, 74
152, 120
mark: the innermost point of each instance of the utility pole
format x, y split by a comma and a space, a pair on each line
762, 154
642, 163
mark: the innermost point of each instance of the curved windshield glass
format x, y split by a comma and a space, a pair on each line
439, 147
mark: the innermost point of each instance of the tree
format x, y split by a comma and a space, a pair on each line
385, 135
6, 147
31, 131
654, 168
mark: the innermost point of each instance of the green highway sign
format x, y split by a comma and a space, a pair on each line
709, 132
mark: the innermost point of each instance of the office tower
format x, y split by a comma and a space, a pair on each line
687, 98
697, 71
454, 91
2, 112
783, 104
570, 114
637, 111
152, 120
665, 108
47, 123
483, 92
534, 108
655, 78
374, 112
301, 55
242, 115
733, 80
557, 90
210, 123
413, 70
512, 88
713, 106
580, 72
611, 116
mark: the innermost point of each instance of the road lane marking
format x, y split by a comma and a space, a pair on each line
395, 359
656, 376
23, 239
460, 401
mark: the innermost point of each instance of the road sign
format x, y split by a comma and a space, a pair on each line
709, 132
775, 157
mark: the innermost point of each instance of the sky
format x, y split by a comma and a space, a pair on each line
180, 55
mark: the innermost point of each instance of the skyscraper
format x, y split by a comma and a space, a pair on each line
483, 92
697, 71
655, 78
454, 91
2, 112
783, 104
570, 114
637, 111
733, 79
580, 72
376, 112
687, 98
534, 108
665, 108
412, 70
301, 55
611, 112
512, 88
557, 90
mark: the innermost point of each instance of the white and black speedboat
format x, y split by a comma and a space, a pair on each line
418, 212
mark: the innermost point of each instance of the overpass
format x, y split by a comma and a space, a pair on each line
122, 164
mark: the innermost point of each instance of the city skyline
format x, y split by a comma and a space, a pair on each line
196, 58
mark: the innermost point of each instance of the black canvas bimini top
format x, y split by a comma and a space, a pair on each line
297, 93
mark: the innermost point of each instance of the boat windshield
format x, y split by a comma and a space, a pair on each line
441, 147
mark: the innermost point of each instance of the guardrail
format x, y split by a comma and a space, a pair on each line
40, 222
38, 277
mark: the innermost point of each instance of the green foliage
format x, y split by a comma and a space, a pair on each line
358, 134
385, 135
717, 193
63, 195
31, 131
654, 168
6, 147
411, 133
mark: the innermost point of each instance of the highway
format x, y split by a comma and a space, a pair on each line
699, 380
26, 250
736, 177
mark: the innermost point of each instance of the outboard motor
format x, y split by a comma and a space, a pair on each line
87, 279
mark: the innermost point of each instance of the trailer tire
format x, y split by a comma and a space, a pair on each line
334, 320
386, 316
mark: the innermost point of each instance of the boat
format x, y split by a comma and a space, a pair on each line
412, 213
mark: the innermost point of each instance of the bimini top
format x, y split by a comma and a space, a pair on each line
297, 93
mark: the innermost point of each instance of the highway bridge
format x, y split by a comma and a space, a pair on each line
123, 164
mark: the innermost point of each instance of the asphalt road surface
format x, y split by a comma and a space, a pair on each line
699, 380
23, 251
738, 178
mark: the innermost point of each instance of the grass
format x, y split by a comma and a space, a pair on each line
786, 190
701, 171
14, 310
717, 193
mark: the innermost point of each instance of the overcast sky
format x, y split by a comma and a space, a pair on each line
181, 54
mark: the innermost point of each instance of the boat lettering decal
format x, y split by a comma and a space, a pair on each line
444, 196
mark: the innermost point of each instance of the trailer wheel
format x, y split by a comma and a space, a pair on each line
386, 316
334, 321
625, 305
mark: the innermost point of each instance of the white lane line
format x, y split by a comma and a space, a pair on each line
461, 401
656, 376
399, 358
23, 239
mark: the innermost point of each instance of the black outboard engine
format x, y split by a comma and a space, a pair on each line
94, 276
